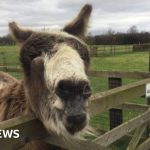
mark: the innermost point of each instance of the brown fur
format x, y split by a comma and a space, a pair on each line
19, 98
77, 26
13, 103
6, 80
20, 36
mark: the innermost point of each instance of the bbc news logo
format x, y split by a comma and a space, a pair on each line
9, 134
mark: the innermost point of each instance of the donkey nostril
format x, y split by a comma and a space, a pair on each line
77, 119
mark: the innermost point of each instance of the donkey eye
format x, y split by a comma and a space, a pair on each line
86, 91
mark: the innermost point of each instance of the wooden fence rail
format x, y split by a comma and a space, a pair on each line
119, 74
145, 145
112, 98
118, 132
10, 69
102, 50
134, 107
32, 128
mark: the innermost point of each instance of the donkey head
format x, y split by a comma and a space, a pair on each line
55, 65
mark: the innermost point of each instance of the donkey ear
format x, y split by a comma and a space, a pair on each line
19, 34
79, 25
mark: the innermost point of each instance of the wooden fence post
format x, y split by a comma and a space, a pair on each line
4, 62
115, 115
148, 127
111, 50
95, 51
148, 100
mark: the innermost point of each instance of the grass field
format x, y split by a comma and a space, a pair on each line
119, 62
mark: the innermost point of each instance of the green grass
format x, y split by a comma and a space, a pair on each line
119, 62
10, 56
126, 62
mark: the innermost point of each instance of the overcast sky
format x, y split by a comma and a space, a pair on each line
117, 14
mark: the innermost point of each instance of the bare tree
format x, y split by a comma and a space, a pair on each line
110, 31
132, 30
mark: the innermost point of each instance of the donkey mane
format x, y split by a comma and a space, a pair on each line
54, 65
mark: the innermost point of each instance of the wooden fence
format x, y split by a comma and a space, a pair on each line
119, 74
141, 47
118, 98
104, 50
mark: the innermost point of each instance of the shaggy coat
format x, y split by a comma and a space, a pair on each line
39, 52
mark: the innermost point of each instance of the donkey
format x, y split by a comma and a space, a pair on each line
55, 86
